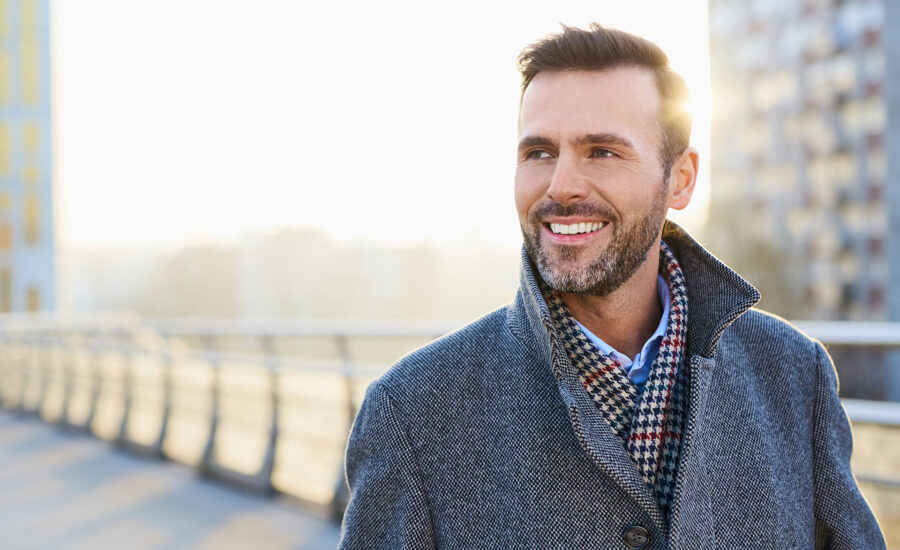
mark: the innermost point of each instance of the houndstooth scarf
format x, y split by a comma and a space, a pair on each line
649, 423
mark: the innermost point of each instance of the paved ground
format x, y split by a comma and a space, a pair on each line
62, 490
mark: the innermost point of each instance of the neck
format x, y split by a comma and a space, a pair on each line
626, 318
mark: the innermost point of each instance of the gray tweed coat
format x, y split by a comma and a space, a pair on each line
486, 439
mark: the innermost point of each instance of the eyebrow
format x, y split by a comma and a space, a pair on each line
586, 139
603, 139
535, 141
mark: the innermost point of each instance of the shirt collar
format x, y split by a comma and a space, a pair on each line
662, 290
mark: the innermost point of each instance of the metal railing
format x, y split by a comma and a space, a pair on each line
263, 404
218, 395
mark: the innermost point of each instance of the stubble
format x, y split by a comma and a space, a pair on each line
627, 250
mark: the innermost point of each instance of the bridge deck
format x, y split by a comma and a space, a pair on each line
62, 490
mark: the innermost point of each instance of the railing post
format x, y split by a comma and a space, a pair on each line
43, 376
5, 369
207, 463
264, 476
168, 382
341, 491
127, 384
96, 377
68, 374
26, 373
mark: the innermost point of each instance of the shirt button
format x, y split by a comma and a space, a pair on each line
636, 537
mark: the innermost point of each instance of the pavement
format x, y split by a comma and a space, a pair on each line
64, 490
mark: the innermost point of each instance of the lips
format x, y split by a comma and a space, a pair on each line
576, 228
574, 232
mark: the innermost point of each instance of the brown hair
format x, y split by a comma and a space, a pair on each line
600, 49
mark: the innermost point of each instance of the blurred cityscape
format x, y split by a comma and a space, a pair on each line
806, 185
806, 190
295, 274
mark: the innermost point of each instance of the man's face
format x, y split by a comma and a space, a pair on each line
589, 184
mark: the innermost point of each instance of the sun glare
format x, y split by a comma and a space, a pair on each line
400, 131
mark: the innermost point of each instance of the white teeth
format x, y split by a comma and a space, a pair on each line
576, 228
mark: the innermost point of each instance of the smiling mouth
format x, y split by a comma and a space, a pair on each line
575, 228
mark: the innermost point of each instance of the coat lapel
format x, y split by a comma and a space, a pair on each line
717, 296
595, 435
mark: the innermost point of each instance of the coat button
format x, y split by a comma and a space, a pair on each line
637, 537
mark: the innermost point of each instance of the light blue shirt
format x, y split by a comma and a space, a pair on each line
638, 368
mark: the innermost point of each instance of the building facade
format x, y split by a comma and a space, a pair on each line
27, 262
805, 150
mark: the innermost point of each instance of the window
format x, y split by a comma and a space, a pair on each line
873, 115
5, 79
32, 218
876, 165
31, 174
29, 49
5, 236
5, 227
4, 19
30, 133
5, 290
30, 68
29, 17
32, 299
5, 148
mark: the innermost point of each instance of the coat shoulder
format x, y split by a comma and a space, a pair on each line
769, 355
454, 361
766, 332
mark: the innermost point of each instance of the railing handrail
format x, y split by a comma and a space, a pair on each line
853, 333
886, 413
300, 327
844, 333
230, 327
356, 368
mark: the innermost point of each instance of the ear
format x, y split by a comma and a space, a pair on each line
682, 178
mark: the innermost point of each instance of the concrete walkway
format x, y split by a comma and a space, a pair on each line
60, 491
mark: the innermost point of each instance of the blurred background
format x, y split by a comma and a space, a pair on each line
220, 220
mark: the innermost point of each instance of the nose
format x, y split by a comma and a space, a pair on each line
567, 184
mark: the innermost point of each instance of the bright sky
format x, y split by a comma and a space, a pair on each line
186, 121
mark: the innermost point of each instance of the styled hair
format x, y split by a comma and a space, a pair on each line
600, 49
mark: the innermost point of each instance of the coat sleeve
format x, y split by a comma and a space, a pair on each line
388, 508
843, 518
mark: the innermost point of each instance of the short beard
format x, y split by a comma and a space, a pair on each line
627, 250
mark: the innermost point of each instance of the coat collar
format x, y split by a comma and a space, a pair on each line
717, 296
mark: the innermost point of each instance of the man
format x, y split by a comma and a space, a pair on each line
629, 397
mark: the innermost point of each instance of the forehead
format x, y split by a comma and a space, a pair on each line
622, 100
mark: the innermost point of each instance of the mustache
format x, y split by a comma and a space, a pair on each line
586, 209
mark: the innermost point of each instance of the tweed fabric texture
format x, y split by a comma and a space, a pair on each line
649, 423
486, 438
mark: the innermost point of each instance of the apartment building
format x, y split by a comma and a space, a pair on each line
27, 265
805, 150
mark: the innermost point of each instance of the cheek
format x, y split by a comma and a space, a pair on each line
528, 191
